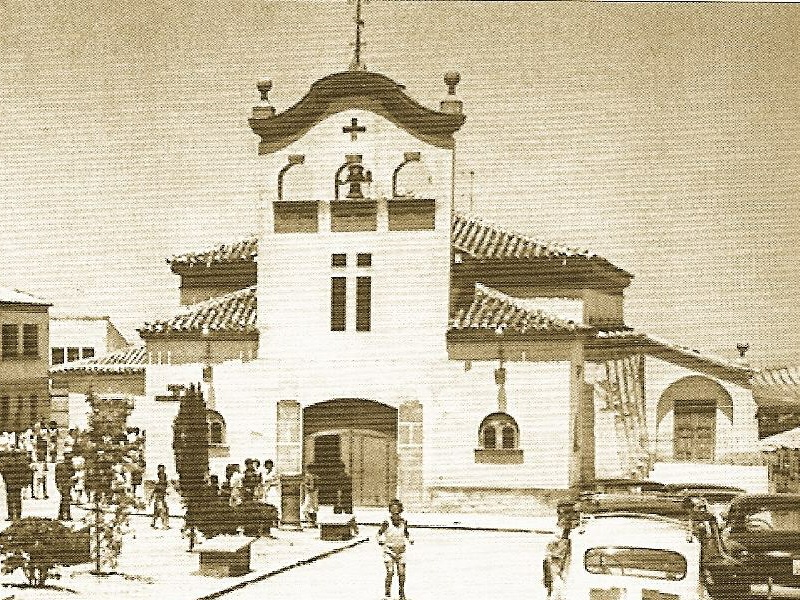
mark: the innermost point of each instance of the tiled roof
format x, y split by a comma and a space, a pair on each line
244, 250
781, 383
470, 234
483, 240
494, 310
234, 312
127, 360
10, 296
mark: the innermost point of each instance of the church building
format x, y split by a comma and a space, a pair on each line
394, 347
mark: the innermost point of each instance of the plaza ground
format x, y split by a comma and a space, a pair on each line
455, 556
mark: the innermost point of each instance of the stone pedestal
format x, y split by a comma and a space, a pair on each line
225, 556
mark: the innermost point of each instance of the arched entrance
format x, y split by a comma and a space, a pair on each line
351, 445
694, 402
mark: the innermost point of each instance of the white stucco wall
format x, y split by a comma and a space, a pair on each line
538, 397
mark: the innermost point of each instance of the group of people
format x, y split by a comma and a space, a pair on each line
256, 483
26, 456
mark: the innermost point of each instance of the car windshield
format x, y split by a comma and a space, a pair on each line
637, 562
774, 519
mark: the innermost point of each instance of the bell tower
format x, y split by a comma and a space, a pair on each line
355, 250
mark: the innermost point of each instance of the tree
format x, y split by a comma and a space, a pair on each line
190, 444
104, 451
38, 545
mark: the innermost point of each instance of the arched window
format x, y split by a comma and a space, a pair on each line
498, 440
489, 437
216, 428
509, 437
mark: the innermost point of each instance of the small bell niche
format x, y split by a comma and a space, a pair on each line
352, 209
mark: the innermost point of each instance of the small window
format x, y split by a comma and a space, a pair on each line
338, 303
216, 428
498, 440
489, 438
363, 303
499, 426
364, 260
10, 342
57, 355
73, 354
509, 437
30, 340
339, 260
87, 352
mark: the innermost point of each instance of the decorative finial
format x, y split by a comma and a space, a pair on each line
356, 64
263, 110
451, 104
451, 79
742, 348
264, 86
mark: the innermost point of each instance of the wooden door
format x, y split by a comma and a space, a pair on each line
372, 459
694, 433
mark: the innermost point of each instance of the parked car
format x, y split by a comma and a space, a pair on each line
621, 486
717, 497
615, 556
762, 532
650, 547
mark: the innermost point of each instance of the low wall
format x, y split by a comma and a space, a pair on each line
527, 502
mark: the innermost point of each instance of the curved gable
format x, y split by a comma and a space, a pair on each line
356, 90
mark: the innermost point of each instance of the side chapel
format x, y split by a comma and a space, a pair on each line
373, 335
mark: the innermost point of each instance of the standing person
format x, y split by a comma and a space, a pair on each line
52, 442
136, 470
250, 481
79, 479
64, 473
17, 468
42, 436
310, 505
272, 487
236, 487
160, 498
392, 536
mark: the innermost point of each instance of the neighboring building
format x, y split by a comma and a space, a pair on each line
116, 374
394, 347
76, 338
24, 356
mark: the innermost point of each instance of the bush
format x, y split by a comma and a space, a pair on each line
254, 518
37, 546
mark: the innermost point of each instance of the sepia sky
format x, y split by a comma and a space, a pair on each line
665, 137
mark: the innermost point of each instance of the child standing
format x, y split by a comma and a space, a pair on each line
392, 536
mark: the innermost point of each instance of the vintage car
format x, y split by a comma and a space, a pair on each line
717, 497
621, 486
625, 546
762, 532
614, 556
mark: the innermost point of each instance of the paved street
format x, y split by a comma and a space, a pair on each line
442, 565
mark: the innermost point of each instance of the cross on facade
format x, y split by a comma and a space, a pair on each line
354, 129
